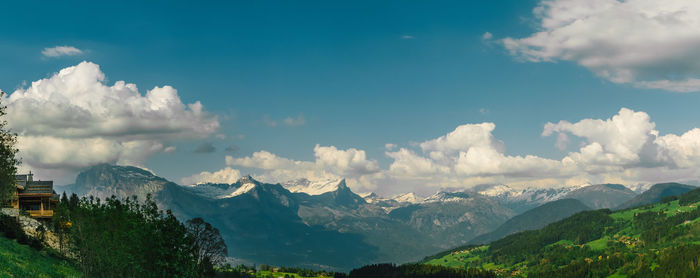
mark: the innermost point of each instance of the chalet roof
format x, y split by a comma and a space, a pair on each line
27, 184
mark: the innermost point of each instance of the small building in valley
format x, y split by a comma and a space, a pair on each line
35, 197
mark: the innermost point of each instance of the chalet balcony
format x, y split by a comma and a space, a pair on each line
40, 213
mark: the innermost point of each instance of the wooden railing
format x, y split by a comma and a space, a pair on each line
40, 213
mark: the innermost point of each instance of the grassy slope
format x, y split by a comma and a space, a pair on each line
17, 260
621, 231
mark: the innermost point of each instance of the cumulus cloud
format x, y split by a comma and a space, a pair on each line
73, 120
407, 163
57, 51
650, 44
350, 162
227, 175
330, 162
624, 148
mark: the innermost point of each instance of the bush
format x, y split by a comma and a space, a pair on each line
12, 229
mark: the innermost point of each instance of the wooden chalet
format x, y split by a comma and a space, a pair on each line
35, 197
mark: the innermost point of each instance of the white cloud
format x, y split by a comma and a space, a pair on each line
621, 138
390, 146
297, 121
266, 160
227, 175
650, 44
57, 51
487, 36
407, 163
73, 120
462, 138
330, 162
625, 148
350, 162
268, 121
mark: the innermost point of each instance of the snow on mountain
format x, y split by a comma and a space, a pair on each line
407, 198
312, 187
522, 199
640, 188
540, 195
241, 190
446, 197
222, 190
371, 197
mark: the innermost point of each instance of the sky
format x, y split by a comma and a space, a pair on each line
394, 96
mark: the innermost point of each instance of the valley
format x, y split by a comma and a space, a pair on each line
325, 225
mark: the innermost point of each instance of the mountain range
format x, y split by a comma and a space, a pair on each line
325, 225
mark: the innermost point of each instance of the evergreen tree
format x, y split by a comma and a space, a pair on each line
8, 159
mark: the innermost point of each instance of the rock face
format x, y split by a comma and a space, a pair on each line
105, 180
31, 228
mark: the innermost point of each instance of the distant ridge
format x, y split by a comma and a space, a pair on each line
533, 219
655, 193
602, 195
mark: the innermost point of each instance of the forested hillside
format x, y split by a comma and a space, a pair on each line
656, 240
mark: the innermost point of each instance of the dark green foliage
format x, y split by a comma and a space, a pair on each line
534, 219
210, 249
579, 228
668, 199
416, 271
689, 197
12, 229
579, 267
682, 261
125, 238
655, 240
656, 193
8, 159
305, 272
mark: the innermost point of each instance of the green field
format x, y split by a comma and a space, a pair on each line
655, 238
17, 260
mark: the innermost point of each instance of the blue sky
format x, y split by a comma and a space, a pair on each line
360, 74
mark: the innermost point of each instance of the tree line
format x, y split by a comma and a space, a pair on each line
128, 238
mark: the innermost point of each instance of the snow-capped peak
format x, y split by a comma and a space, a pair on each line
498, 190
246, 179
241, 190
368, 195
407, 198
314, 187
442, 196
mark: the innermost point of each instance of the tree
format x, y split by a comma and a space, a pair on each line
8, 159
210, 248
127, 238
